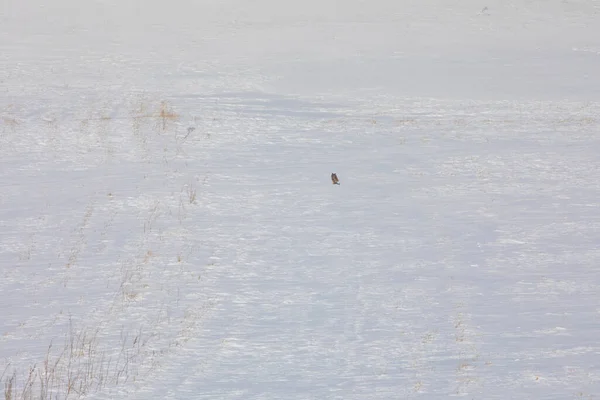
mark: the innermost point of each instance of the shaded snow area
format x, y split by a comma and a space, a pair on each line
169, 228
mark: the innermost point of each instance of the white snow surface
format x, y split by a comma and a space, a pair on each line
169, 230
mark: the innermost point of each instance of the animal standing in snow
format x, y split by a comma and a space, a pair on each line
335, 179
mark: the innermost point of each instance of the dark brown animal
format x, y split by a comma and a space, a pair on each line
335, 179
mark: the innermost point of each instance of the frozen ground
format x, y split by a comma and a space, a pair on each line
168, 229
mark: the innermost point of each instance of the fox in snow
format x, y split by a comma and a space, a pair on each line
334, 179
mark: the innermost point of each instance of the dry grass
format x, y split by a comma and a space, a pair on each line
10, 123
86, 361
163, 115
166, 115
191, 194
76, 368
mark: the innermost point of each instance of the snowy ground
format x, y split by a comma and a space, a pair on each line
168, 229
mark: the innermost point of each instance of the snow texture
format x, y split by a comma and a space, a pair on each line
169, 229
